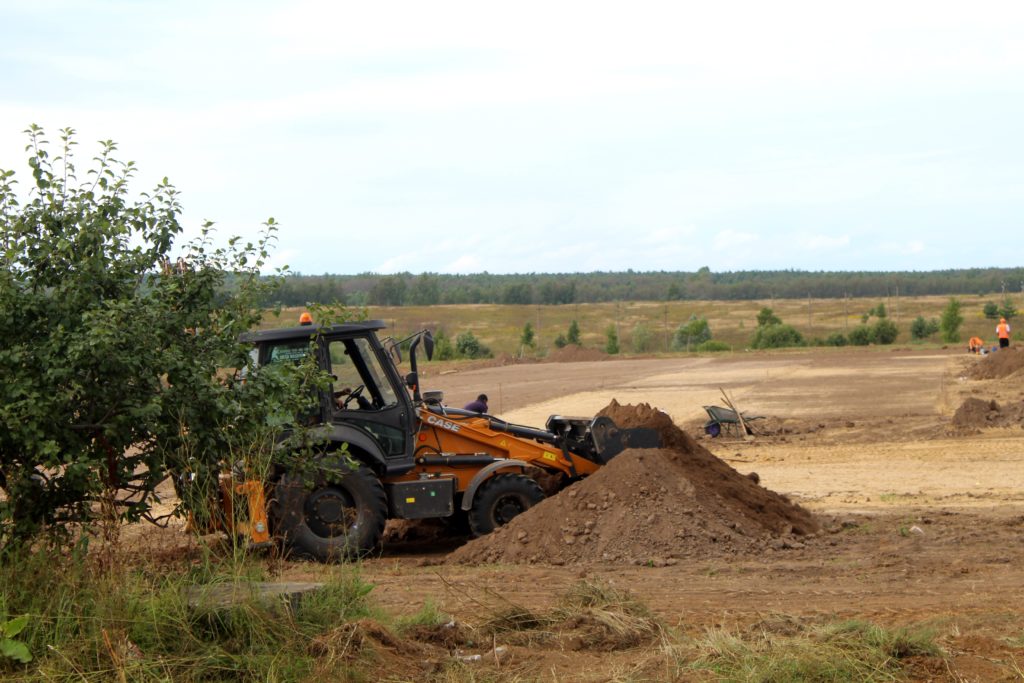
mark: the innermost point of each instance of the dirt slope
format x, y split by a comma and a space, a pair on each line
1002, 363
648, 506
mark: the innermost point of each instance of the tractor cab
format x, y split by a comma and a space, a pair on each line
366, 405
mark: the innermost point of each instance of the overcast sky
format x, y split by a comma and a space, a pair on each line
551, 136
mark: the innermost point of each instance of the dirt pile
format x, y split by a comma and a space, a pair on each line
651, 506
998, 365
975, 413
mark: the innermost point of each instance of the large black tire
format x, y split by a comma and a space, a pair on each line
501, 498
333, 520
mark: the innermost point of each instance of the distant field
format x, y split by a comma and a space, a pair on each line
733, 322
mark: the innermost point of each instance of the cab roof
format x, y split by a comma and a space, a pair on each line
307, 331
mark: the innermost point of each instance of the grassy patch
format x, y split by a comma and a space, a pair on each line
840, 651
127, 625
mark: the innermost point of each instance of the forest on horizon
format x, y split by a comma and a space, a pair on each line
427, 289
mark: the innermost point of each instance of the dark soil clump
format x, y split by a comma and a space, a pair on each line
653, 506
998, 365
977, 413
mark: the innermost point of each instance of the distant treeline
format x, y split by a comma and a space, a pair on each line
406, 289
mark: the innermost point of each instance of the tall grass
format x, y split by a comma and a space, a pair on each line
133, 625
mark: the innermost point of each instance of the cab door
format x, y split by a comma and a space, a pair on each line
368, 394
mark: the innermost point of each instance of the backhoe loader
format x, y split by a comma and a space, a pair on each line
392, 451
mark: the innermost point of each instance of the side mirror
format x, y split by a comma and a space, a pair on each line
428, 344
411, 380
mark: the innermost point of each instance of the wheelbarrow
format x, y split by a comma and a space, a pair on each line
725, 420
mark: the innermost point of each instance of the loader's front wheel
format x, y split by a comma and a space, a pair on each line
500, 499
331, 521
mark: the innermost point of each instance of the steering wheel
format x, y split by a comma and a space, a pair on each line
353, 396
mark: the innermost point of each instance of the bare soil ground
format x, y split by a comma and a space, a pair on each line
920, 518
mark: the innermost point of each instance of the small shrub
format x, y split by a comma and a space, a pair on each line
695, 331
884, 331
922, 329
836, 339
643, 338
767, 317
861, 336
561, 342
468, 346
776, 336
950, 322
574, 334
713, 346
612, 340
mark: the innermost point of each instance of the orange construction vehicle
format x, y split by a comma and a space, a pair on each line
388, 450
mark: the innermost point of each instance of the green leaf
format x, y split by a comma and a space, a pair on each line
14, 626
11, 649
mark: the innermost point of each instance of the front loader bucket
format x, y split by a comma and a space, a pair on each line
599, 439
609, 440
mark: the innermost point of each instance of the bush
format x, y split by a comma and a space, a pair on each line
884, 331
949, 323
693, 332
836, 339
643, 338
443, 349
468, 346
561, 342
767, 317
574, 334
612, 340
922, 329
712, 346
861, 335
776, 336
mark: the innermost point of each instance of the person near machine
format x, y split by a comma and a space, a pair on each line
1003, 332
477, 406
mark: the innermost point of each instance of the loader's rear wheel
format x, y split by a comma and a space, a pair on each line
500, 499
336, 520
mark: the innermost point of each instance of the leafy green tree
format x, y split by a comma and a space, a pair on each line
426, 291
922, 329
574, 334
611, 340
561, 342
950, 321
1007, 310
990, 310
642, 338
114, 352
766, 316
694, 331
443, 347
528, 337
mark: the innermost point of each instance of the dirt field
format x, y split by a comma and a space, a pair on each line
922, 518
925, 519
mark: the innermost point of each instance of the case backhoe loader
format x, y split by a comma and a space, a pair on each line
408, 455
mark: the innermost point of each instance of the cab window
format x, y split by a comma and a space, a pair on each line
355, 364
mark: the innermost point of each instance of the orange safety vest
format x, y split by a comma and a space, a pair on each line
1003, 330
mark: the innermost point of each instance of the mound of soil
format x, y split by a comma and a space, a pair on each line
1002, 363
648, 506
976, 413
575, 354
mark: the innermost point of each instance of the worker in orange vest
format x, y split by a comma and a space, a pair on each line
1003, 332
975, 345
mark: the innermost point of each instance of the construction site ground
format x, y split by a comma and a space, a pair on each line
922, 518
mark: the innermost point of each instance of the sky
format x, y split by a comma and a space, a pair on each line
461, 137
